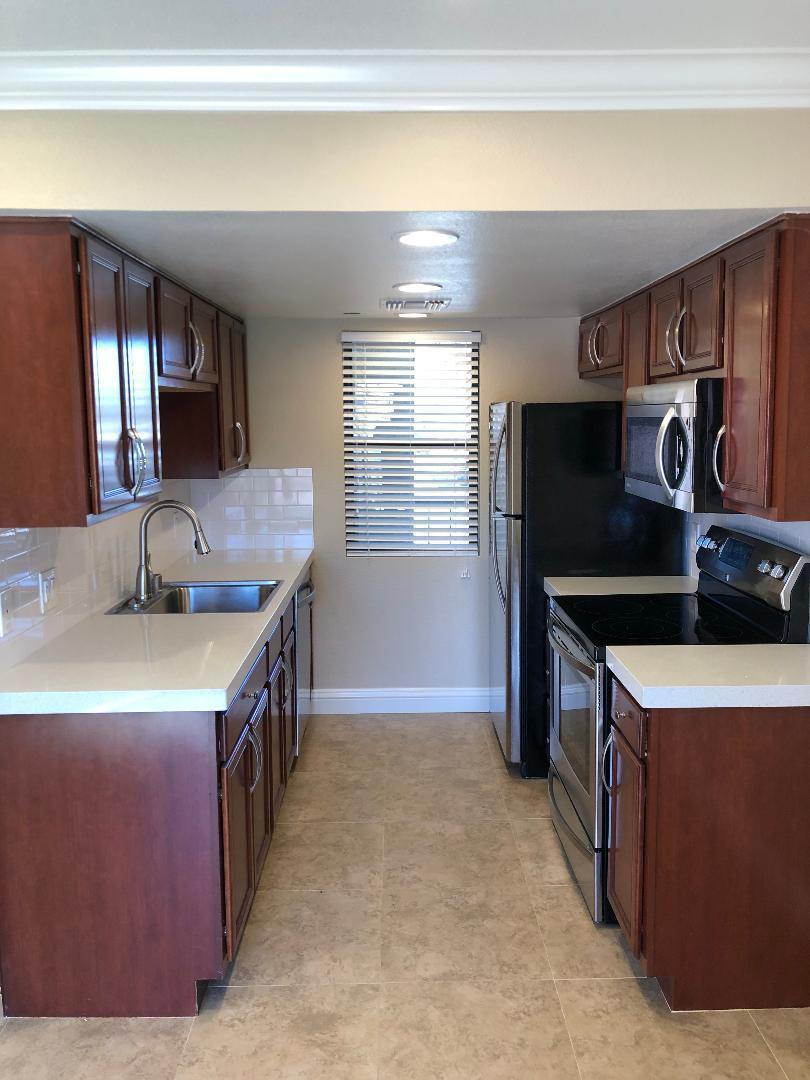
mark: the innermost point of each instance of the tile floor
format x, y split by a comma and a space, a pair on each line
416, 921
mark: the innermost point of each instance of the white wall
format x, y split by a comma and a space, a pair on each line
392, 622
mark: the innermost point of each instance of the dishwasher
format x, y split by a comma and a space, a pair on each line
304, 598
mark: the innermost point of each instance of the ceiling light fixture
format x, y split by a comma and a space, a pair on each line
419, 287
428, 238
412, 314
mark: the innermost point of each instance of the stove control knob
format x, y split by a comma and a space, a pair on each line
765, 566
778, 571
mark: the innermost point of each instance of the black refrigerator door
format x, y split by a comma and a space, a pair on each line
579, 520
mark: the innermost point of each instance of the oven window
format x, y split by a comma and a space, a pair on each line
576, 725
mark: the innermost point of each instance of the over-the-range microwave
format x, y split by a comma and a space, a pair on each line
674, 444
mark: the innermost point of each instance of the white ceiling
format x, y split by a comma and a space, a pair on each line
309, 265
418, 24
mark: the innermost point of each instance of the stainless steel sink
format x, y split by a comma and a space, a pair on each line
198, 597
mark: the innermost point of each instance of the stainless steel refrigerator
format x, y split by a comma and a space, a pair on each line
557, 506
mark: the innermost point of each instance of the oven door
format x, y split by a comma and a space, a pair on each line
575, 737
659, 453
586, 862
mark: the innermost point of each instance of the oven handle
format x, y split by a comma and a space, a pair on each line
669, 416
608, 744
559, 818
561, 648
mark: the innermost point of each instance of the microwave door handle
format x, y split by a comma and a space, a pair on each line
669, 416
715, 462
560, 648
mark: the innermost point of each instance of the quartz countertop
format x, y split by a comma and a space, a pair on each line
157, 663
713, 676
605, 586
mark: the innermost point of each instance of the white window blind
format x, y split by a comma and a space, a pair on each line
410, 443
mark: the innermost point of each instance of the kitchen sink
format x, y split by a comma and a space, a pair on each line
202, 597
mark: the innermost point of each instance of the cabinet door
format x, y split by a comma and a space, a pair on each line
587, 363
607, 342
228, 437
204, 331
289, 702
665, 306
698, 335
749, 355
625, 855
636, 340
236, 777
175, 352
261, 784
103, 300
141, 375
240, 405
277, 769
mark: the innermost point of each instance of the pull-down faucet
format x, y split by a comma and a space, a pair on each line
147, 582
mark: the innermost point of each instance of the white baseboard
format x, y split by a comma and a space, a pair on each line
402, 699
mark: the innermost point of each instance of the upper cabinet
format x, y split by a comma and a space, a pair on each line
636, 340
234, 448
92, 335
686, 321
187, 335
600, 344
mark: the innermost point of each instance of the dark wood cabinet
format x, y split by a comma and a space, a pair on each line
636, 340
204, 331
607, 341
625, 852
176, 352
587, 362
289, 699
665, 307
698, 332
261, 792
751, 283
278, 772
234, 444
122, 390
237, 839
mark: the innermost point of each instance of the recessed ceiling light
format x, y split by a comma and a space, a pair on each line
420, 287
428, 238
412, 314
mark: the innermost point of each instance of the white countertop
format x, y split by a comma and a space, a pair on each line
157, 663
606, 586
713, 676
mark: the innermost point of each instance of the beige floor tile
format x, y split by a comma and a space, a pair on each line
524, 798
335, 795
351, 750
439, 749
622, 1029
449, 794
787, 1032
310, 936
493, 1029
325, 855
540, 852
448, 855
92, 1049
576, 948
430, 935
284, 1032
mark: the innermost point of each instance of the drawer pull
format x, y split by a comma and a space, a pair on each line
252, 695
621, 716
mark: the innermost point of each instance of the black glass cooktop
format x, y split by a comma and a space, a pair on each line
658, 619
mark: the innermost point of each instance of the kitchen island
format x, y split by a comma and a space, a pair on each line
145, 759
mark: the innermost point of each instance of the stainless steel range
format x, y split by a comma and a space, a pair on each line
750, 591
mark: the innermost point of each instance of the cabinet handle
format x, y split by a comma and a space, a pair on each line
675, 338
140, 450
608, 744
259, 754
667, 344
715, 453
590, 346
621, 716
199, 350
597, 359
242, 442
253, 695
288, 679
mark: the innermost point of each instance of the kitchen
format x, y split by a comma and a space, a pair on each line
267, 806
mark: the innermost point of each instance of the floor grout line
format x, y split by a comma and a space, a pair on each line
770, 1048
181, 1055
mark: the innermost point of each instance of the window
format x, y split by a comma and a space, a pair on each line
410, 443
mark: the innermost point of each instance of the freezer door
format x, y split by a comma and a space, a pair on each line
504, 633
505, 457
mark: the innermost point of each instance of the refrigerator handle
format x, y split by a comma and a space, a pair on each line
496, 462
496, 571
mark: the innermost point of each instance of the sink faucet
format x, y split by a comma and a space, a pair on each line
146, 581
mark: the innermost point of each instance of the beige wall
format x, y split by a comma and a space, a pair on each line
392, 622
409, 161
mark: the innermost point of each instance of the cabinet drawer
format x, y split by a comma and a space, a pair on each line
628, 716
233, 721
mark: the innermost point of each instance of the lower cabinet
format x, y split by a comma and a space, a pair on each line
278, 775
239, 869
625, 859
260, 786
288, 661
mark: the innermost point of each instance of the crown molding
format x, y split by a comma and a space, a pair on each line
400, 80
